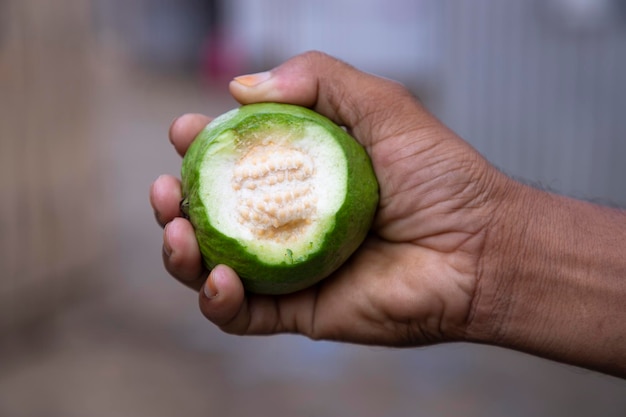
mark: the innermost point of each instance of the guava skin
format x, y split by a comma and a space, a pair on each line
351, 222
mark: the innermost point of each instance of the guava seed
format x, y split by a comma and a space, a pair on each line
275, 194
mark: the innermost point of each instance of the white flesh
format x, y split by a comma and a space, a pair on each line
278, 195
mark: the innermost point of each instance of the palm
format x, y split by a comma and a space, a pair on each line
414, 276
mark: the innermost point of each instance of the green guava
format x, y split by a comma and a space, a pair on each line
279, 193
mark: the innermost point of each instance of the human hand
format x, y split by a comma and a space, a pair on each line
414, 279
458, 251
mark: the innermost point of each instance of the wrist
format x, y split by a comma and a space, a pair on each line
552, 280
500, 264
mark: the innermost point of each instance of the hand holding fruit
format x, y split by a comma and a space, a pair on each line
413, 280
442, 259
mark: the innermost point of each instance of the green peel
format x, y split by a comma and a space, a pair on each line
279, 193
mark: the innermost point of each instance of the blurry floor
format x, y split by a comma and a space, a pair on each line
141, 347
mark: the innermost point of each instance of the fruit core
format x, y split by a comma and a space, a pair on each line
275, 191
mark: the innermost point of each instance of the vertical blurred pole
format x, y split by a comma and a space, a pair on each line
49, 217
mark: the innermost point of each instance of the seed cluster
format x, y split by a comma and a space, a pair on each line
275, 193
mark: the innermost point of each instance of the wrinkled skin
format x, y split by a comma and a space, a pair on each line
414, 280
458, 251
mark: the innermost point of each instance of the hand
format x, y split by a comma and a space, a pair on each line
414, 280
458, 251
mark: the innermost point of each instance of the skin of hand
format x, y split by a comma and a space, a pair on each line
458, 251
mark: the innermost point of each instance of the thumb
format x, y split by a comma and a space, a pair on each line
367, 105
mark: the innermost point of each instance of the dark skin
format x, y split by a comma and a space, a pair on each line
458, 251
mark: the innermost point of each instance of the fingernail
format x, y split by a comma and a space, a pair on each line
210, 290
252, 80
167, 249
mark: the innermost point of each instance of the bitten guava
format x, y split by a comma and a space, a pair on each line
279, 193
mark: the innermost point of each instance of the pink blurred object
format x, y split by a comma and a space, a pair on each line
222, 57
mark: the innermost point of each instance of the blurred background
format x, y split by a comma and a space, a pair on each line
90, 323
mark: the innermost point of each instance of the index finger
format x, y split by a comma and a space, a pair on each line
185, 129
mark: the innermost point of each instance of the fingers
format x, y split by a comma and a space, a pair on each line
181, 254
346, 306
360, 101
184, 130
165, 193
165, 196
222, 301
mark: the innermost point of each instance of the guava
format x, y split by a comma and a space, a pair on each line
279, 193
